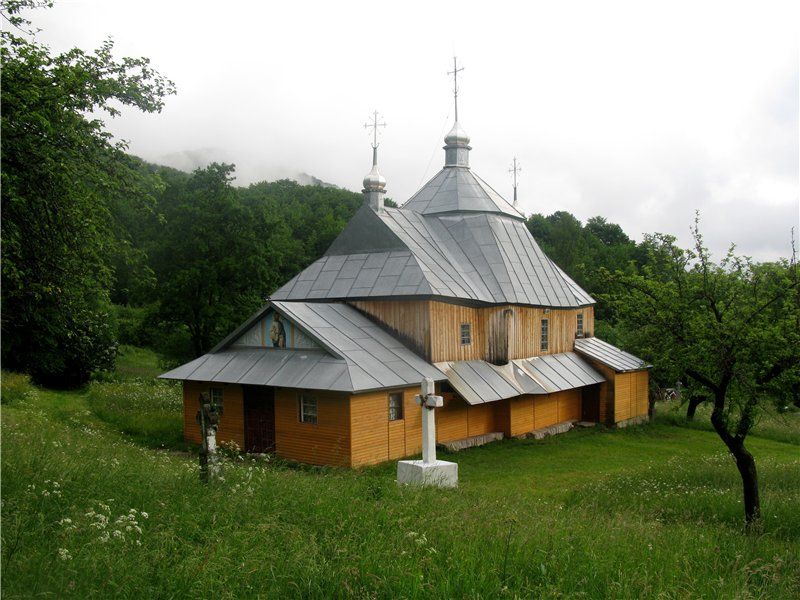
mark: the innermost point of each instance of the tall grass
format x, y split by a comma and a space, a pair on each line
770, 423
89, 511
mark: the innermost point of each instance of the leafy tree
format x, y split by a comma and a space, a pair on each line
61, 170
216, 258
730, 328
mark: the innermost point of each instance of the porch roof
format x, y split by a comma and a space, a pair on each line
479, 382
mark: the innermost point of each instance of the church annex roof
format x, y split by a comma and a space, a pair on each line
473, 256
458, 189
354, 355
479, 382
609, 355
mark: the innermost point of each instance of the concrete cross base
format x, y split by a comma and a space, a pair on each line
440, 473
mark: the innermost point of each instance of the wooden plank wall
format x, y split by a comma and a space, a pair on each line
446, 320
433, 328
526, 413
325, 443
231, 424
490, 328
408, 319
631, 395
374, 438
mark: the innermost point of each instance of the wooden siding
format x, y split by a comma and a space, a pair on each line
446, 320
326, 442
499, 333
375, 439
545, 411
526, 413
569, 405
642, 379
630, 395
409, 320
231, 423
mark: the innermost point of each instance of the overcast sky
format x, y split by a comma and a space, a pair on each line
638, 112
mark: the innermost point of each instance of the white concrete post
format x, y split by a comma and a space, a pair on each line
429, 470
428, 423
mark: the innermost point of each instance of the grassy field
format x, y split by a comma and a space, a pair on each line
94, 507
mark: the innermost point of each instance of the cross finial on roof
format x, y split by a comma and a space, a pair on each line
374, 125
515, 168
454, 73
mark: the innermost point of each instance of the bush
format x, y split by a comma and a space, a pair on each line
16, 387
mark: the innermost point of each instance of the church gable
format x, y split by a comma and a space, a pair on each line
365, 232
273, 330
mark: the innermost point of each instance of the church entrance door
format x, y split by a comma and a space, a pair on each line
259, 418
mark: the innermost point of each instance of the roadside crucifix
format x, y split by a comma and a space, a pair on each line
429, 470
208, 419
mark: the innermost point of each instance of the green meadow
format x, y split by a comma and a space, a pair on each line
100, 499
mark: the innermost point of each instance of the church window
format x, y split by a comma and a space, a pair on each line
545, 339
308, 409
396, 406
466, 334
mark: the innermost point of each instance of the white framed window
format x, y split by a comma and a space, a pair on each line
395, 406
544, 346
466, 334
216, 395
579, 331
307, 409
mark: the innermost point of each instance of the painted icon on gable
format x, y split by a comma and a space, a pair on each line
274, 330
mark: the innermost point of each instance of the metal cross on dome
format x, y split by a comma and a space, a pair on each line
454, 73
374, 126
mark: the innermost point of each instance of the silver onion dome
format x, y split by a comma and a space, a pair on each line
374, 181
457, 136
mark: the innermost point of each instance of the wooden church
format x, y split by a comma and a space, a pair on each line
450, 286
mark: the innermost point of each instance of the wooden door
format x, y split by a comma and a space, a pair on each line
591, 404
259, 418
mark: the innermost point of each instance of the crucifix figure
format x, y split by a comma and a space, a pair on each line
515, 169
208, 419
454, 73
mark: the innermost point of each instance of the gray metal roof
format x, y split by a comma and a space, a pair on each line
473, 256
479, 382
458, 189
609, 355
358, 356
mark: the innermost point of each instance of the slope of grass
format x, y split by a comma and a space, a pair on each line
653, 511
770, 424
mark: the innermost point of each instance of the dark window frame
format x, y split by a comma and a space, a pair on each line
396, 409
544, 335
465, 334
307, 414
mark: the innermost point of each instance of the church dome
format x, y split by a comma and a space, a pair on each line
374, 181
457, 136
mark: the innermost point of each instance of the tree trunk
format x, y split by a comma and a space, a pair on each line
694, 402
744, 460
747, 469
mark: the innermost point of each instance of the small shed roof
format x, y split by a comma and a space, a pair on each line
479, 382
609, 355
358, 355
